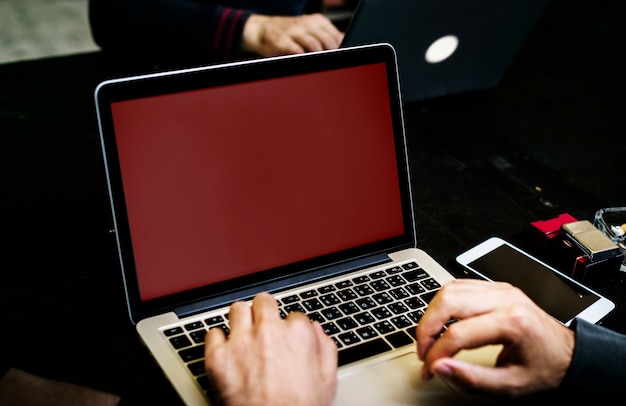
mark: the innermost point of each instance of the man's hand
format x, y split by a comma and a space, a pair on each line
267, 360
537, 349
279, 35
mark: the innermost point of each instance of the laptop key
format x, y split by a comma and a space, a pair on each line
295, 307
427, 297
204, 383
349, 308
430, 284
378, 274
224, 328
411, 331
329, 299
364, 350
396, 280
194, 326
343, 284
346, 323
366, 332
366, 303
416, 316
331, 313
346, 294
399, 293
381, 313
363, 290
401, 322
326, 289
415, 274
394, 270
198, 336
330, 328
349, 338
384, 327
399, 339
290, 299
414, 303
180, 342
191, 354
308, 294
361, 279
312, 304
173, 331
364, 318
397, 308
197, 368
410, 265
415, 288
214, 320
380, 285
382, 298
315, 316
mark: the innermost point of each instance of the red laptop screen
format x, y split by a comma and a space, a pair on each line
231, 180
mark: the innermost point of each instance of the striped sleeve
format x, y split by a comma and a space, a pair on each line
161, 27
227, 32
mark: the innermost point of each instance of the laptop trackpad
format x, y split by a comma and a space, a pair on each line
397, 382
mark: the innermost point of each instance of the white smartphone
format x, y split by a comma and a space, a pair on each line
558, 294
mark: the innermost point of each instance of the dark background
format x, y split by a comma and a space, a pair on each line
549, 139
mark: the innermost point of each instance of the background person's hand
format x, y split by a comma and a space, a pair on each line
267, 360
537, 349
280, 35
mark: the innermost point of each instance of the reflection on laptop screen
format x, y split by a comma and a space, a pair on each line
193, 161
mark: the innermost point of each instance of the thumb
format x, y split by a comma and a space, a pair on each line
477, 378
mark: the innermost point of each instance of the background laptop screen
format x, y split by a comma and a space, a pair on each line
226, 181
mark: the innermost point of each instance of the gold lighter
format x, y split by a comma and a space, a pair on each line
591, 240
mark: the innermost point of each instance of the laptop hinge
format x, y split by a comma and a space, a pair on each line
278, 285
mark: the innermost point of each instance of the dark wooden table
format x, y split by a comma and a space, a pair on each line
551, 138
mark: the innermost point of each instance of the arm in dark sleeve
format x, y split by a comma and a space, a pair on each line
167, 26
206, 28
599, 361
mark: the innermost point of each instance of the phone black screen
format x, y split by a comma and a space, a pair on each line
558, 296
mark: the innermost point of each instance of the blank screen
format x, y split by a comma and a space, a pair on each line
228, 181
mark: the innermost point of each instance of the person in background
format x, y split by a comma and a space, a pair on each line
539, 354
217, 30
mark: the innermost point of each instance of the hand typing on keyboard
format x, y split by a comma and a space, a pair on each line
537, 349
266, 358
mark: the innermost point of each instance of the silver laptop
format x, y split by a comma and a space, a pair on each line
230, 180
446, 46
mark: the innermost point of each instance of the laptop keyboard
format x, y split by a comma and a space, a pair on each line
365, 315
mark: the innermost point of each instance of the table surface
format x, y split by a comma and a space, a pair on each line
549, 139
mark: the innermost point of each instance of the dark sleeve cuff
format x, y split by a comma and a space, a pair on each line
598, 364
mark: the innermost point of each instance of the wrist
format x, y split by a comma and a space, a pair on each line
252, 33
